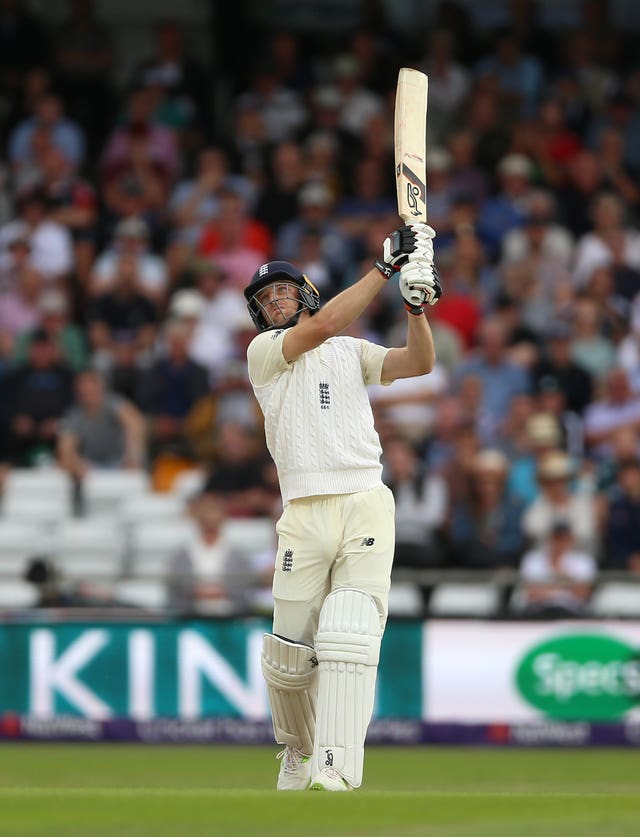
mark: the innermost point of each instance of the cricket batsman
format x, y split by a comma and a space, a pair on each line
336, 533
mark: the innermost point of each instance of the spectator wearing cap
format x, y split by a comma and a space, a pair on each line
100, 430
557, 577
54, 319
316, 215
506, 210
235, 240
357, 102
616, 409
131, 238
38, 392
620, 514
542, 435
51, 246
557, 364
485, 523
559, 498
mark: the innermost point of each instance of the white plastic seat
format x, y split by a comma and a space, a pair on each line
616, 598
89, 547
250, 536
16, 594
19, 541
148, 593
46, 511
154, 543
108, 492
38, 482
464, 599
152, 506
405, 599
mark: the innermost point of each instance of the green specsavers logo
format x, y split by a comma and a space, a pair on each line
581, 677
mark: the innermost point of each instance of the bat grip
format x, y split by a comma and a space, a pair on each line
417, 298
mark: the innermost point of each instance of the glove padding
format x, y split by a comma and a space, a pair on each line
419, 285
414, 241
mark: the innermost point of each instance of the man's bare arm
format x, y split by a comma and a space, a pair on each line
416, 358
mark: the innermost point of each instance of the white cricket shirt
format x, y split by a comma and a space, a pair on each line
318, 420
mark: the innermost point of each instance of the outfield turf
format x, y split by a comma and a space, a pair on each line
129, 791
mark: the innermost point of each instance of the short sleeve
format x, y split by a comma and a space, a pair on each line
372, 359
265, 359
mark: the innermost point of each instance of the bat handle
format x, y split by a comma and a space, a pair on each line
417, 298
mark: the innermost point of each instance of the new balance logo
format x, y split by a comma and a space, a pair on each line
263, 270
367, 542
329, 760
287, 561
325, 396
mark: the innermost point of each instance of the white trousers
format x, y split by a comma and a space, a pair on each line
326, 542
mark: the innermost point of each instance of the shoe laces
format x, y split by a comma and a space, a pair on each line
292, 759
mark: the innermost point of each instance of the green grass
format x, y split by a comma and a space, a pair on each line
134, 791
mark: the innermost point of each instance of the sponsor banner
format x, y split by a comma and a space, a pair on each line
518, 673
195, 671
217, 731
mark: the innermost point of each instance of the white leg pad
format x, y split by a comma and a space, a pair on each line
291, 672
348, 650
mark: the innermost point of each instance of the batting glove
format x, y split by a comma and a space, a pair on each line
419, 285
398, 246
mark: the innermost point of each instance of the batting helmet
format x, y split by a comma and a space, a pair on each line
308, 297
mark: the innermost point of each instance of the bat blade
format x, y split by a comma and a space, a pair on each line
410, 138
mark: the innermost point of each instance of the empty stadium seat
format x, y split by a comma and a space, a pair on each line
147, 593
152, 506
154, 543
251, 536
89, 547
405, 599
616, 598
108, 492
16, 594
20, 540
38, 495
188, 484
464, 599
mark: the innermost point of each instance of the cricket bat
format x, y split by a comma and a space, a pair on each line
410, 138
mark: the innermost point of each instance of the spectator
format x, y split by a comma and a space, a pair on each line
54, 319
168, 390
616, 409
100, 430
237, 242
542, 436
50, 123
240, 472
468, 181
485, 526
277, 202
585, 179
506, 210
122, 321
519, 76
131, 239
620, 514
541, 239
51, 246
19, 307
421, 505
589, 346
501, 380
594, 248
560, 499
357, 102
38, 392
281, 109
557, 577
449, 84
557, 363
206, 576
195, 201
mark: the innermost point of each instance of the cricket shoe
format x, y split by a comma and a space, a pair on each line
330, 780
295, 770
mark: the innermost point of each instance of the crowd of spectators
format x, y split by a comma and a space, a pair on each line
131, 219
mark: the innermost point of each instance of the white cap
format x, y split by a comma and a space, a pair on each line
515, 164
186, 303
